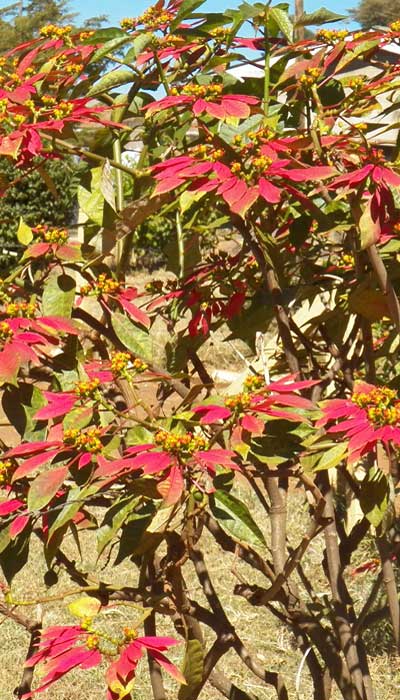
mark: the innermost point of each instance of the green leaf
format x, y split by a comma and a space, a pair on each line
45, 486
134, 537
91, 201
113, 521
115, 78
282, 20
138, 435
24, 232
107, 184
75, 501
374, 496
193, 664
370, 228
185, 10
14, 557
110, 46
331, 458
321, 16
131, 336
58, 295
234, 517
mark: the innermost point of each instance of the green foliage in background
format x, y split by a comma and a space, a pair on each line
46, 196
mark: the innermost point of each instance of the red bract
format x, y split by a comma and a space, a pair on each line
28, 340
242, 182
371, 415
206, 99
258, 398
182, 457
52, 241
60, 650
64, 648
76, 447
121, 673
107, 289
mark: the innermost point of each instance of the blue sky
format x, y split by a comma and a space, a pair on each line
128, 8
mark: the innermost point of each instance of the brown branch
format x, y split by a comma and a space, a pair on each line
385, 285
156, 679
25, 685
340, 595
391, 587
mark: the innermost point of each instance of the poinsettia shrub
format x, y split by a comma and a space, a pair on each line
125, 430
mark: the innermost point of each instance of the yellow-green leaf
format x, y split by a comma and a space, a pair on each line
84, 607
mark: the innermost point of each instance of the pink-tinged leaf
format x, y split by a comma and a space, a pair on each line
222, 457
18, 525
171, 488
386, 175
45, 486
268, 191
317, 172
59, 405
211, 413
10, 145
29, 448
7, 507
62, 325
243, 205
79, 656
167, 184
139, 448
136, 313
10, 362
84, 460
36, 250
153, 462
236, 108
29, 465
168, 666
214, 109
234, 191
70, 252
159, 643
253, 425
234, 305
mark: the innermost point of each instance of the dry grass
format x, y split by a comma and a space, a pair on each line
270, 642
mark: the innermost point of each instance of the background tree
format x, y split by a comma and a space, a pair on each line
373, 13
21, 21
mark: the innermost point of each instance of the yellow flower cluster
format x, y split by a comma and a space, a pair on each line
331, 36
381, 403
52, 235
6, 470
395, 26
92, 641
103, 285
207, 153
6, 333
130, 634
153, 18
63, 109
238, 402
310, 77
51, 31
20, 308
207, 92
87, 390
253, 382
183, 445
90, 441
